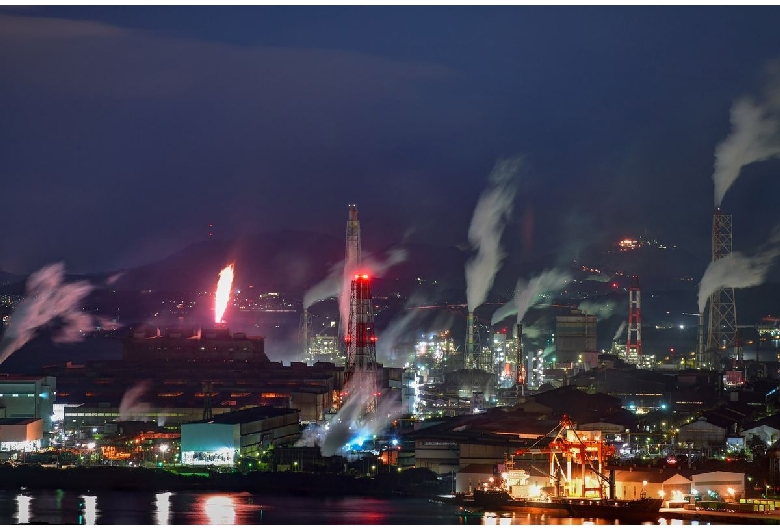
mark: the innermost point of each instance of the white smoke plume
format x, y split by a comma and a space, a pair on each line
330, 287
49, 300
397, 328
531, 332
111, 280
131, 407
736, 270
619, 331
367, 265
755, 137
602, 310
528, 295
389, 337
487, 225
351, 424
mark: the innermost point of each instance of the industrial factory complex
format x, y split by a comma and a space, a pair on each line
210, 396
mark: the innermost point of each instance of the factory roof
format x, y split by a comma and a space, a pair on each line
770, 421
10, 378
249, 415
18, 421
653, 475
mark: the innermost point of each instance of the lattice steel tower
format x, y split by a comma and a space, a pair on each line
634, 339
723, 310
360, 369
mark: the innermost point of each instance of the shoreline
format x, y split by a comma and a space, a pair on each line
158, 480
721, 517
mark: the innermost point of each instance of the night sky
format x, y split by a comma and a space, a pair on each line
125, 131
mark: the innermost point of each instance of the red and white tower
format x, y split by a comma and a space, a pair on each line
360, 369
634, 340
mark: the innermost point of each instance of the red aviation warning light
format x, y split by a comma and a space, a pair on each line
360, 367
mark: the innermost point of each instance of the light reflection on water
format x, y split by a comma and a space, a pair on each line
163, 506
90, 509
176, 508
23, 508
220, 509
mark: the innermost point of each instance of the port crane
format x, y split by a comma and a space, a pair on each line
571, 447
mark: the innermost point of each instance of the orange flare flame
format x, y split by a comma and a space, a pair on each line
223, 292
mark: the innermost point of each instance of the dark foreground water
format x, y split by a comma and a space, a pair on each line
60, 507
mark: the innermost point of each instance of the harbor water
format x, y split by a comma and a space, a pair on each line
219, 508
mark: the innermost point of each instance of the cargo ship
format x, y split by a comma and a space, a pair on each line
624, 511
589, 493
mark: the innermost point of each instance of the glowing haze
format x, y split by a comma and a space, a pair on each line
487, 225
222, 297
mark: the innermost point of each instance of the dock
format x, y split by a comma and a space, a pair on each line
724, 517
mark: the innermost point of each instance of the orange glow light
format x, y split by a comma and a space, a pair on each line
223, 292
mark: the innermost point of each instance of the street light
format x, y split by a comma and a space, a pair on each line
91, 454
163, 448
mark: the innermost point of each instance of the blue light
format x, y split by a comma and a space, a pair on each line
663, 406
394, 441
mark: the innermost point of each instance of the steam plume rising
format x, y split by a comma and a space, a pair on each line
330, 287
602, 310
620, 331
338, 282
755, 137
385, 348
223, 292
48, 300
527, 296
737, 270
487, 224
350, 424
367, 265
131, 407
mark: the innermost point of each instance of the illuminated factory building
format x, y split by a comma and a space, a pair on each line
325, 348
225, 438
25, 398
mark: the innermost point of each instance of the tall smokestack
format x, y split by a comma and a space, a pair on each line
352, 256
700, 343
469, 339
305, 334
520, 361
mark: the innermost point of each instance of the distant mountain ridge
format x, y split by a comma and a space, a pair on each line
293, 261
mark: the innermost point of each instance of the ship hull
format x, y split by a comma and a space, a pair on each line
641, 510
